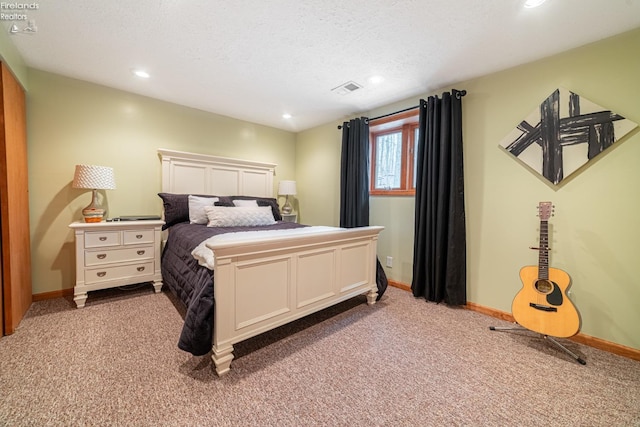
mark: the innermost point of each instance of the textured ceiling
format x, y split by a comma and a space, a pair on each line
257, 59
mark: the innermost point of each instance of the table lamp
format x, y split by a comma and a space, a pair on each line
287, 188
94, 178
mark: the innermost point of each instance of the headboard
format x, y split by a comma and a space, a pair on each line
190, 173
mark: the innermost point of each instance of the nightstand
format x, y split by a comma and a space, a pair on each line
110, 254
290, 217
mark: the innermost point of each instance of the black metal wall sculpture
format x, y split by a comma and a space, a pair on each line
564, 133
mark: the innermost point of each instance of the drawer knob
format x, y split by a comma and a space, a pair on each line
140, 268
140, 252
101, 256
102, 273
138, 236
103, 238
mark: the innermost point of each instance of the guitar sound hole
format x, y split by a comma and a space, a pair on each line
544, 286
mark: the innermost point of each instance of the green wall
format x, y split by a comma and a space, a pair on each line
595, 231
318, 176
71, 122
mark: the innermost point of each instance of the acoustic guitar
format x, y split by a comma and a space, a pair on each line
542, 305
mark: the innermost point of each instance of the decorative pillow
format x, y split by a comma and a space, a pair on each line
246, 203
197, 215
176, 207
224, 201
223, 216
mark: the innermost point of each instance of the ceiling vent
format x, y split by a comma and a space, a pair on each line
346, 88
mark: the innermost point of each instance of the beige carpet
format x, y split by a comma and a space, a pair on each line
402, 362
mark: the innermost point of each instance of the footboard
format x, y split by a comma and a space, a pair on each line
263, 284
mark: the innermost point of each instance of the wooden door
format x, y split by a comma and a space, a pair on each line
14, 198
1, 278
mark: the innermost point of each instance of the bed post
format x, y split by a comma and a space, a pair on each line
372, 295
222, 358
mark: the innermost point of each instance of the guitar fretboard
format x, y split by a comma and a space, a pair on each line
543, 253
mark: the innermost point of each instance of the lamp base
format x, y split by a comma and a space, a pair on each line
93, 213
286, 208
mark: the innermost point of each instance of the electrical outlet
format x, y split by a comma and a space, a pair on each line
390, 261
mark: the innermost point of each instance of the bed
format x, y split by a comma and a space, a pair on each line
265, 276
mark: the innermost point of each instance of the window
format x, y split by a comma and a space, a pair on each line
393, 143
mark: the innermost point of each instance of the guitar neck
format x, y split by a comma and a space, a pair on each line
543, 253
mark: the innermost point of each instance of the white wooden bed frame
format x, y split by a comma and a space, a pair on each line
271, 281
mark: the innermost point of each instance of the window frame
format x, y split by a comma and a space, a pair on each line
406, 122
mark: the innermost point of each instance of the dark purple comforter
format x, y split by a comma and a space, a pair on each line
192, 283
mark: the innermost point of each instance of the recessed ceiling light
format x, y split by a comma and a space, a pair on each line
286, 116
141, 73
533, 3
376, 80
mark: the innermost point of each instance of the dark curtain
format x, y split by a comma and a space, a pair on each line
439, 251
354, 183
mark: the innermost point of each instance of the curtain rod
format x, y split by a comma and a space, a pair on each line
397, 112
387, 115
459, 94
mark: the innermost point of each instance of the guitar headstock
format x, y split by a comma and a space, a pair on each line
545, 210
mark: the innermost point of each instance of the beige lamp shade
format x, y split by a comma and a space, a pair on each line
94, 177
287, 188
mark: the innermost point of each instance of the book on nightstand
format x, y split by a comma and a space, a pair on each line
137, 218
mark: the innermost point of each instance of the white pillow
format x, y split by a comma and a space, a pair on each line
225, 216
197, 215
246, 203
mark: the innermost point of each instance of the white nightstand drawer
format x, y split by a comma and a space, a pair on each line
95, 275
108, 256
136, 237
102, 238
